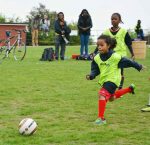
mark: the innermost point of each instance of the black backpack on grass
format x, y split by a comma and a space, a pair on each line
48, 54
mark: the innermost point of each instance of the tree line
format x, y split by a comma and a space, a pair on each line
41, 10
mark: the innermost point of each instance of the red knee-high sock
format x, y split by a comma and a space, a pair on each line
121, 92
101, 108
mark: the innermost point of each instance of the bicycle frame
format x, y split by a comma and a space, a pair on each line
17, 43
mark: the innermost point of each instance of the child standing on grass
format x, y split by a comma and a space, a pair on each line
123, 40
108, 64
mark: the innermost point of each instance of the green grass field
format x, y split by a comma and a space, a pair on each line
64, 104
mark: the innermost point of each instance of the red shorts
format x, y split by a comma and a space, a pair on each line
105, 93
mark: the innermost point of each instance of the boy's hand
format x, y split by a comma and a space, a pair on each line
84, 29
88, 77
63, 32
92, 55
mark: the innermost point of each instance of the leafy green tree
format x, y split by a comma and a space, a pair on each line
42, 10
73, 25
14, 20
132, 34
2, 19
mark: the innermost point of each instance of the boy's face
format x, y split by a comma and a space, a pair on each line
115, 20
139, 21
61, 16
102, 46
85, 13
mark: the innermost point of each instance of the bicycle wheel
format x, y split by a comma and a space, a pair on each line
19, 51
3, 52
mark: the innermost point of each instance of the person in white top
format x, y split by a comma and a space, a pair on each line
45, 25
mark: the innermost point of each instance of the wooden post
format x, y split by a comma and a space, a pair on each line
139, 49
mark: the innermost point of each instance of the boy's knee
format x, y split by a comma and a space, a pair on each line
104, 93
101, 97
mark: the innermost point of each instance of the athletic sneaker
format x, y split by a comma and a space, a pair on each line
100, 121
132, 87
147, 109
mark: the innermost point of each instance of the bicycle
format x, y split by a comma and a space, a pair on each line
18, 46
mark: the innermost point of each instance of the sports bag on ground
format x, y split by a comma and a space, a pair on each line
48, 54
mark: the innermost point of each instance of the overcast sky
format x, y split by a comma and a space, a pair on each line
100, 10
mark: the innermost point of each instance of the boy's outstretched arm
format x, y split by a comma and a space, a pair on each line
126, 63
94, 71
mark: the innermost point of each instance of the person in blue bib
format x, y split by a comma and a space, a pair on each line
108, 64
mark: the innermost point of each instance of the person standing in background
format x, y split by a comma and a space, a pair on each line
123, 40
62, 32
35, 25
45, 25
139, 30
84, 27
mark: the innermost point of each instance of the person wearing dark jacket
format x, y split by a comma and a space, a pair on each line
84, 27
62, 32
107, 64
139, 30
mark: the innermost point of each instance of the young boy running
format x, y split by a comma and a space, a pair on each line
108, 64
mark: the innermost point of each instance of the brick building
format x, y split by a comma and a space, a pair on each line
10, 27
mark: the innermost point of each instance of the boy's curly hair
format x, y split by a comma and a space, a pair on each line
110, 41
